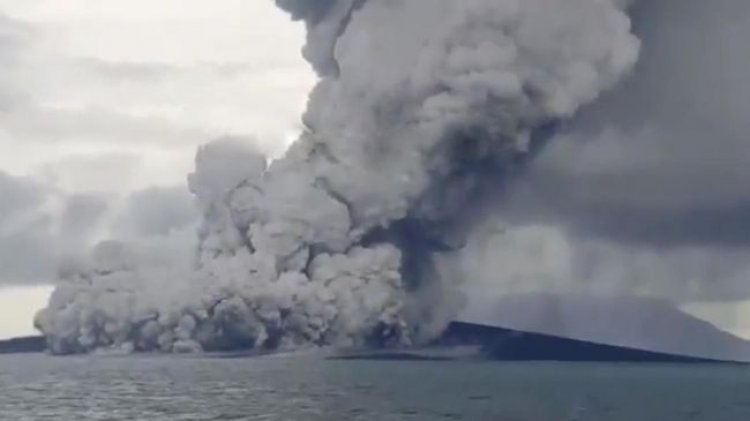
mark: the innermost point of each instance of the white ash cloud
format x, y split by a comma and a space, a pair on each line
333, 243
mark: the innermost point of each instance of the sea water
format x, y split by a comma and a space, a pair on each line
303, 388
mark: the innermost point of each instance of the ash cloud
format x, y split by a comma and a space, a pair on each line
661, 158
336, 242
642, 192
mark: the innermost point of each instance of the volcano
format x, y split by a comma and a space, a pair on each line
580, 328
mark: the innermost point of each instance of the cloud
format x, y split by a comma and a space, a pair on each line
95, 126
645, 191
169, 79
40, 225
503, 258
25, 252
156, 211
103, 105
41, 228
93, 172
80, 215
662, 159
18, 195
26, 257
15, 37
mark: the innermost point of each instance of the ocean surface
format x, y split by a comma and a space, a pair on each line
302, 388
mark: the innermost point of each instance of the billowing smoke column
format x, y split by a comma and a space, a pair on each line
421, 104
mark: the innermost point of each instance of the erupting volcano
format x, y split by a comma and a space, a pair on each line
423, 111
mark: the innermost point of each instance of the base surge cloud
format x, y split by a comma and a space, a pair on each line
422, 108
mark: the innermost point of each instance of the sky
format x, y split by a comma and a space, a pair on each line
103, 104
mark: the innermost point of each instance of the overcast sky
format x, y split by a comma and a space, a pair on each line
102, 106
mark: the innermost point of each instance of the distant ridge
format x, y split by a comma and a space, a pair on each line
513, 345
582, 327
501, 344
26, 344
632, 322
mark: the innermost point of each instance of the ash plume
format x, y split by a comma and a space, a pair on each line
644, 191
422, 109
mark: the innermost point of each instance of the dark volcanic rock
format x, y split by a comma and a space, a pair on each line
23, 345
